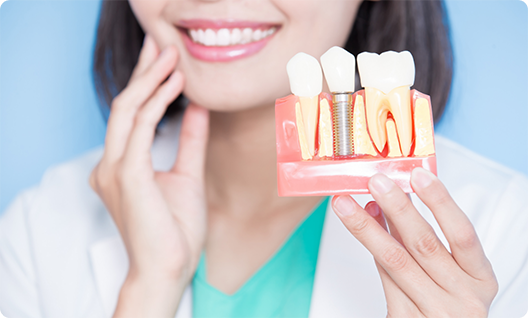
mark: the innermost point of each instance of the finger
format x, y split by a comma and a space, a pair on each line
374, 211
126, 105
193, 142
147, 56
147, 119
398, 263
384, 222
417, 235
458, 230
398, 303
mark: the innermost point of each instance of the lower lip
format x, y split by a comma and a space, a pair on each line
223, 53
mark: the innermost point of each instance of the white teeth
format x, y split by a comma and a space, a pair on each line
306, 77
339, 68
225, 37
236, 36
210, 37
194, 35
386, 71
201, 36
257, 35
246, 35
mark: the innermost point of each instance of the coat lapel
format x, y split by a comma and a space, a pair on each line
346, 283
110, 267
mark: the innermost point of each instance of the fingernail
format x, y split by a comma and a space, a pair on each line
381, 184
372, 209
422, 178
344, 205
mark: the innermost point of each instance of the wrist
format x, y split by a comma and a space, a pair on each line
150, 295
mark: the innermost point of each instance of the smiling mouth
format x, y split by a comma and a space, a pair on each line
225, 40
227, 37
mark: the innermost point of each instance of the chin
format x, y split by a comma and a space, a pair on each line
235, 92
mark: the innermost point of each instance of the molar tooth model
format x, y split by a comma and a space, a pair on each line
332, 144
387, 79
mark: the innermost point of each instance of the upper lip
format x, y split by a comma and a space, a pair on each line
223, 24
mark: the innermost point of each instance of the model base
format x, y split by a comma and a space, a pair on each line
335, 177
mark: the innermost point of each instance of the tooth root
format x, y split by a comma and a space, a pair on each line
362, 143
392, 140
377, 110
423, 127
305, 154
325, 130
398, 102
309, 110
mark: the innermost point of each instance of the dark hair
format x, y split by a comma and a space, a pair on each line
417, 26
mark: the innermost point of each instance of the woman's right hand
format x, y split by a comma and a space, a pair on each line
161, 216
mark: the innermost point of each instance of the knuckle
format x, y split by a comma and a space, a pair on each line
400, 207
121, 103
93, 180
476, 308
117, 102
145, 118
101, 178
441, 197
427, 245
493, 286
466, 238
395, 258
358, 226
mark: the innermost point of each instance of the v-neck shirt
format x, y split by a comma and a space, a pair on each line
282, 287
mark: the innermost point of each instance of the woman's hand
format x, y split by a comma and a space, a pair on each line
420, 277
161, 216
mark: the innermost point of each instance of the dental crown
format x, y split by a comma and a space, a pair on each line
339, 67
306, 77
386, 71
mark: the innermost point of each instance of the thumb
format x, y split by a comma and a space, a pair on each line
194, 134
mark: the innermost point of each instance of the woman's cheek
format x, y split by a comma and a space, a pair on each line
148, 14
316, 25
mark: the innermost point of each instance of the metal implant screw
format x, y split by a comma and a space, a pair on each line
342, 126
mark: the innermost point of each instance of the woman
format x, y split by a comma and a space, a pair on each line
210, 217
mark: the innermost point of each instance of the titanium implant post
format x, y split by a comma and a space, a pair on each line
342, 124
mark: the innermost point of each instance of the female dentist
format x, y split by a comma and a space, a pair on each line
185, 219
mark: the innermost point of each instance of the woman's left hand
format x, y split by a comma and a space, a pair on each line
420, 277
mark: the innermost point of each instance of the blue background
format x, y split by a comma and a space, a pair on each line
49, 111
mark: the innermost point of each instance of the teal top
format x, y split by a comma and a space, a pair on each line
282, 287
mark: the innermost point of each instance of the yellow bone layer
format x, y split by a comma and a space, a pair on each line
423, 128
300, 131
392, 139
309, 110
379, 104
326, 141
362, 143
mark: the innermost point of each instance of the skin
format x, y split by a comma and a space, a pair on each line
221, 193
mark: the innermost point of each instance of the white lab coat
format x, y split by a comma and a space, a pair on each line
61, 254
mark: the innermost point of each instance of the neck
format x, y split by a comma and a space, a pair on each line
241, 168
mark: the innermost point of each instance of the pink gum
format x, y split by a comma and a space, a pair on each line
332, 176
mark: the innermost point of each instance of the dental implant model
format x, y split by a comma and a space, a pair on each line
332, 144
339, 68
306, 81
